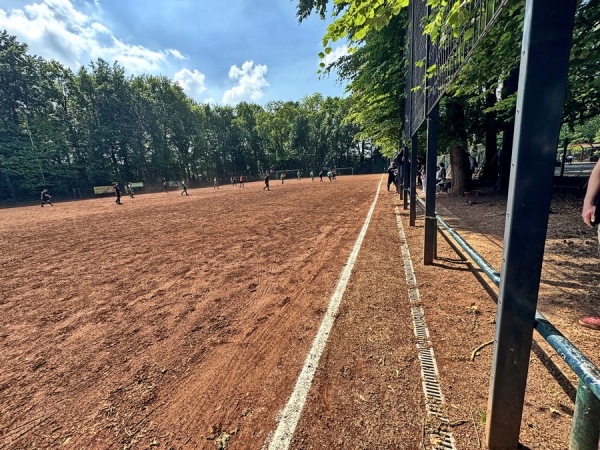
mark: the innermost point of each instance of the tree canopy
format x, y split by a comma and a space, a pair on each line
67, 130
485, 89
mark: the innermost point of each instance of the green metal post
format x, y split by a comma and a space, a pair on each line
585, 430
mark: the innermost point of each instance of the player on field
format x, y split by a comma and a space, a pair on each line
165, 185
45, 197
129, 188
242, 180
312, 176
266, 182
117, 190
330, 175
215, 183
184, 187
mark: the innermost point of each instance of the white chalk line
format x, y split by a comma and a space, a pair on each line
289, 416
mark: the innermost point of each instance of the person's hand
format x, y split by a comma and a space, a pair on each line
588, 214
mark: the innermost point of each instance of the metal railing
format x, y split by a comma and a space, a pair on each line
586, 419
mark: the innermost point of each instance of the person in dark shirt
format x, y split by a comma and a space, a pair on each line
419, 172
266, 182
117, 190
391, 175
321, 176
165, 185
45, 197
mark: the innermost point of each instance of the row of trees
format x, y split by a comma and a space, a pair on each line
480, 105
65, 130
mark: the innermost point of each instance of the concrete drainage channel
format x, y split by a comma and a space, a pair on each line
442, 438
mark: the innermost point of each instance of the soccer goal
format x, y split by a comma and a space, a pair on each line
344, 171
289, 173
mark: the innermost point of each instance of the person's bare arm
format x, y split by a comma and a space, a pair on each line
593, 191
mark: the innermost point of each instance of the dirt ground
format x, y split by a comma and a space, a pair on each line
183, 322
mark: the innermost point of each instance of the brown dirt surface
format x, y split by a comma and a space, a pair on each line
175, 322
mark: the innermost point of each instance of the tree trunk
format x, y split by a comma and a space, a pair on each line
459, 161
508, 132
490, 169
505, 156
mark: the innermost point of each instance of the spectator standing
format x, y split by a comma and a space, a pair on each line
440, 176
419, 172
473, 164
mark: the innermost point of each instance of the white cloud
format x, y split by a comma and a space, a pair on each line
191, 82
336, 54
176, 53
251, 81
55, 29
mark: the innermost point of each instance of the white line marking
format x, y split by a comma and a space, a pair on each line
290, 414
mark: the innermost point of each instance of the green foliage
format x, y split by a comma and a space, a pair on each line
64, 130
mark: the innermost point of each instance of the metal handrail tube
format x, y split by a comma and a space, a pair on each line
482, 263
574, 358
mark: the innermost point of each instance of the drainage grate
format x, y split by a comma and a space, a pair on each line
442, 438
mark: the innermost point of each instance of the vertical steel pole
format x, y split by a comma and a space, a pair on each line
413, 179
585, 429
431, 159
405, 176
547, 35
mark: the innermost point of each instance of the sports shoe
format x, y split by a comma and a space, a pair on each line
590, 322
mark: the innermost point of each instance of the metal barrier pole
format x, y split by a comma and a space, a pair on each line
413, 180
432, 149
585, 430
406, 169
547, 35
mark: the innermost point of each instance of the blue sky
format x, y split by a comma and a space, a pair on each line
221, 52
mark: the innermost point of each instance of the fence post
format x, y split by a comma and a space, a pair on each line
405, 176
547, 35
432, 149
585, 429
413, 179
